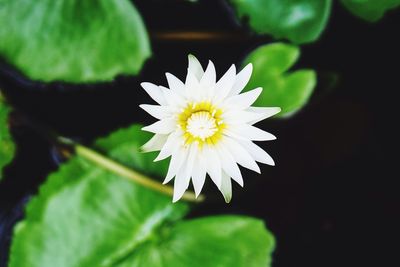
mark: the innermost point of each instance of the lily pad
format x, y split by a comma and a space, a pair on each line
300, 21
370, 10
71, 40
87, 216
288, 90
7, 147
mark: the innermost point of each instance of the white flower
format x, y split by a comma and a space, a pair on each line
207, 126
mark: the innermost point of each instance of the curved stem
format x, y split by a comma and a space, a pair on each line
126, 172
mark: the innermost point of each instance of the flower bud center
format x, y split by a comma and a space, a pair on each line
201, 125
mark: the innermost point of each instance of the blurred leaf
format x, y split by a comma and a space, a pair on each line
289, 91
124, 147
300, 21
217, 241
71, 40
87, 216
7, 147
371, 10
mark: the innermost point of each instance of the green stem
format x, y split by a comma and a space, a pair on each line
126, 172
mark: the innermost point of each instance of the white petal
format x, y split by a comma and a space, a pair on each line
195, 67
242, 78
229, 165
240, 155
226, 187
257, 152
183, 178
265, 111
155, 143
213, 165
190, 160
181, 183
175, 84
249, 132
173, 99
158, 112
209, 76
177, 160
241, 116
171, 145
199, 175
193, 88
224, 85
164, 126
244, 100
154, 92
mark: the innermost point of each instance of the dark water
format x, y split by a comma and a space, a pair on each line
332, 199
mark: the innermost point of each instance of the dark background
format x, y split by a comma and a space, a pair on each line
332, 199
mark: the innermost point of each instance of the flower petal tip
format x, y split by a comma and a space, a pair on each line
228, 199
277, 110
158, 159
250, 65
258, 90
175, 199
192, 59
144, 84
271, 162
168, 75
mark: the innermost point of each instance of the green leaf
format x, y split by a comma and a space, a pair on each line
300, 21
124, 147
217, 241
370, 10
289, 91
87, 216
7, 147
72, 40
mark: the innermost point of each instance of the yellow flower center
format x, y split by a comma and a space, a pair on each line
201, 123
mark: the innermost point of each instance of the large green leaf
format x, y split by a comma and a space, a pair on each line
87, 216
72, 40
7, 147
289, 91
217, 241
371, 10
300, 21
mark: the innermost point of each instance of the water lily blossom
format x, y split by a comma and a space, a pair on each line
207, 127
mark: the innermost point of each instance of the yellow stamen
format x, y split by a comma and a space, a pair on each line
202, 123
